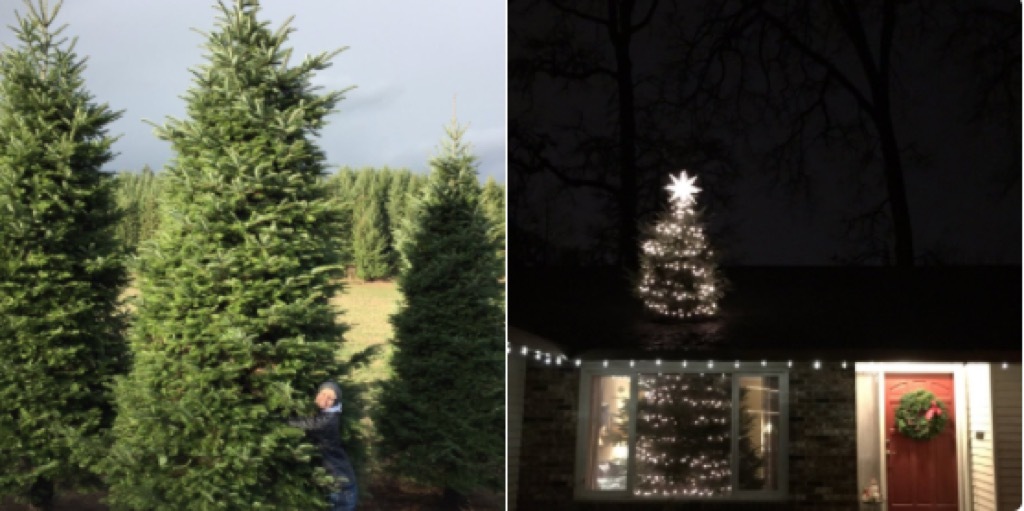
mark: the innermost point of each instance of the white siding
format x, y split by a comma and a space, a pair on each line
869, 444
1006, 422
979, 424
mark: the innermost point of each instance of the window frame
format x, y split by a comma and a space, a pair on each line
634, 368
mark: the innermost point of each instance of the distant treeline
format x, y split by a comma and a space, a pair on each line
373, 201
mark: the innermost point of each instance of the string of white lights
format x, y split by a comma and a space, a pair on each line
560, 360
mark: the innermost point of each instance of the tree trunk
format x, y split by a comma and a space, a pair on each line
903, 242
892, 164
621, 27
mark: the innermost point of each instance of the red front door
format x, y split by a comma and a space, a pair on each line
921, 473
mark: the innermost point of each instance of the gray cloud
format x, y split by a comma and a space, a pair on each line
406, 58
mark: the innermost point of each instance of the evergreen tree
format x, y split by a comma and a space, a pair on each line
363, 185
679, 276
61, 332
442, 415
341, 186
383, 180
493, 202
370, 247
233, 329
397, 199
136, 198
683, 435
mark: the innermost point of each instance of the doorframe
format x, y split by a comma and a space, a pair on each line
958, 370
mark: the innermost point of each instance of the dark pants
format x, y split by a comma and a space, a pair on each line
344, 499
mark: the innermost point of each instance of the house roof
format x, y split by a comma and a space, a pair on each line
800, 313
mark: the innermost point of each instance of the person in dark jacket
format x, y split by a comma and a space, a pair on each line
323, 430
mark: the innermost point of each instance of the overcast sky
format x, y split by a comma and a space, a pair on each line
406, 58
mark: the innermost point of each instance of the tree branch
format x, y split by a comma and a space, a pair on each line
818, 58
647, 18
579, 14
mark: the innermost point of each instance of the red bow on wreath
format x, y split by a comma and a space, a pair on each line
932, 412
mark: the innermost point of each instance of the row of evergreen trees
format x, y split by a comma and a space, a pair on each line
374, 202
180, 401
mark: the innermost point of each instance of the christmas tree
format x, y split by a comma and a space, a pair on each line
678, 273
61, 268
683, 435
233, 330
442, 415
371, 237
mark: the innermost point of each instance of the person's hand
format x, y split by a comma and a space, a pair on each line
325, 399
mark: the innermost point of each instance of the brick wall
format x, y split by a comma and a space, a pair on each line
548, 444
822, 461
823, 439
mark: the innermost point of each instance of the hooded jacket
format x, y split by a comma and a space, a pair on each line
324, 430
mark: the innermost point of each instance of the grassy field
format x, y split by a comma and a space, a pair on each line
366, 308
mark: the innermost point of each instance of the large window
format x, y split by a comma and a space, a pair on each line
650, 432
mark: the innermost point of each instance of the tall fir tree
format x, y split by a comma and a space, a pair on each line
442, 415
397, 194
371, 248
679, 277
61, 271
136, 196
341, 186
234, 329
493, 201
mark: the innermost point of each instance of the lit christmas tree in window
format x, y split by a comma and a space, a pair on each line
678, 274
683, 436
684, 431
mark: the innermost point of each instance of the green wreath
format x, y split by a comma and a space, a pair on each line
920, 415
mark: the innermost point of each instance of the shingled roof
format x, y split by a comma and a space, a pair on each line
800, 313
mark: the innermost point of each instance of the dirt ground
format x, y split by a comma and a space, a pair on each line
383, 497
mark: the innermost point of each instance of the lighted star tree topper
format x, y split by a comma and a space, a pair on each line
678, 274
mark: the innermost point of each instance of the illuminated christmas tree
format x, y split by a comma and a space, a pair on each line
683, 435
678, 274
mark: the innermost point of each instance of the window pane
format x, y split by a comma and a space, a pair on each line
683, 435
609, 433
759, 433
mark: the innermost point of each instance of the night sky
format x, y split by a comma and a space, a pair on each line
781, 116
